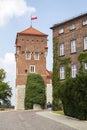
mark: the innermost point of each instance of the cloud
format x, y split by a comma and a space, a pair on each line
10, 8
8, 64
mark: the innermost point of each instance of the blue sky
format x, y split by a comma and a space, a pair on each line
15, 17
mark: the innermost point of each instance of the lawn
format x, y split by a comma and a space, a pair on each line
59, 112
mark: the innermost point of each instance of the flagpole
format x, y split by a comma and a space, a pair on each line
31, 20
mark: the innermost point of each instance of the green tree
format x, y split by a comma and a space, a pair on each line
2, 74
35, 91
5, 90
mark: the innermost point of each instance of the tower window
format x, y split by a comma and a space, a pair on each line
32, 68
36, 56
28, 56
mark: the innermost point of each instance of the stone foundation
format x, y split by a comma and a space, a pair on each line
49, 93
20, 94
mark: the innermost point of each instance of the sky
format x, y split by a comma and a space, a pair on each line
15, 17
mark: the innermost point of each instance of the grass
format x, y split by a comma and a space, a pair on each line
59, 112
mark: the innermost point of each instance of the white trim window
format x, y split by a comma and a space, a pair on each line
62, 72
61, 49
85, 66
84, 22
61, 30
73, 70
85, 43
32, 68
28, 56
36, 56
73, 46
72, 26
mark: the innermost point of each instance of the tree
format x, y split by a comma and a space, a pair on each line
2, 74
5, 90
35, 91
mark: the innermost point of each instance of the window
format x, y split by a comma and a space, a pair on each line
61, 30
36, 56
62, 49
86, 66
72, 26
62, 72
28, 56
85, 43
32, 68
74, 71
73, 46
84, 22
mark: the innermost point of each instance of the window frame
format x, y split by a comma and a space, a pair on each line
35, 56
85, 66
73, 26
73, 71
85, 43
61, 30
62, 72
30, 69
61, 49
84, 22
28, 58
73, 46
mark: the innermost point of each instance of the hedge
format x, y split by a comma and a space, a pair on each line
73, 93
35, 91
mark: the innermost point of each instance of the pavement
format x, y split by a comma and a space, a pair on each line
69, 121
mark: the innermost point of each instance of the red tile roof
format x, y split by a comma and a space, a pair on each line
32, 31
48, 73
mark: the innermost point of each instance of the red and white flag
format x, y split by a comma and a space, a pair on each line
33, 18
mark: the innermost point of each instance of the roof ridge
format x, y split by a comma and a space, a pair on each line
32, 31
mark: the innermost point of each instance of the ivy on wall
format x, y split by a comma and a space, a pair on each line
66, 62
57, 62
55, 75
82, 59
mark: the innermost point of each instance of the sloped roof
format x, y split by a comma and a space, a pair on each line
69, 20
32, 31
48, 73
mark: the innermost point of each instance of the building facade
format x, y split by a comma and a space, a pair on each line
31, 52
72, 40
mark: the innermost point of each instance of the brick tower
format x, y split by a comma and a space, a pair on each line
31, 51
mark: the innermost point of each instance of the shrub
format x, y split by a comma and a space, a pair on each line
73, 93
35, 91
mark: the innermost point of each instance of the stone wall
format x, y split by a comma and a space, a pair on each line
49, 93
19, 97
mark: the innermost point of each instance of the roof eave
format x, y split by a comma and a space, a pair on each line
69, 20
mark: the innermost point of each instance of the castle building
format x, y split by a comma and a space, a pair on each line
31, 52
72, 40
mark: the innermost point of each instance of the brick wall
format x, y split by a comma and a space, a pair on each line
76, 34
32, 44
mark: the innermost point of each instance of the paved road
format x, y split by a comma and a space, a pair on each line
28, 120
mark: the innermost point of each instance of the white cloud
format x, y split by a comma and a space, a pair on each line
8, 64
10, 8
